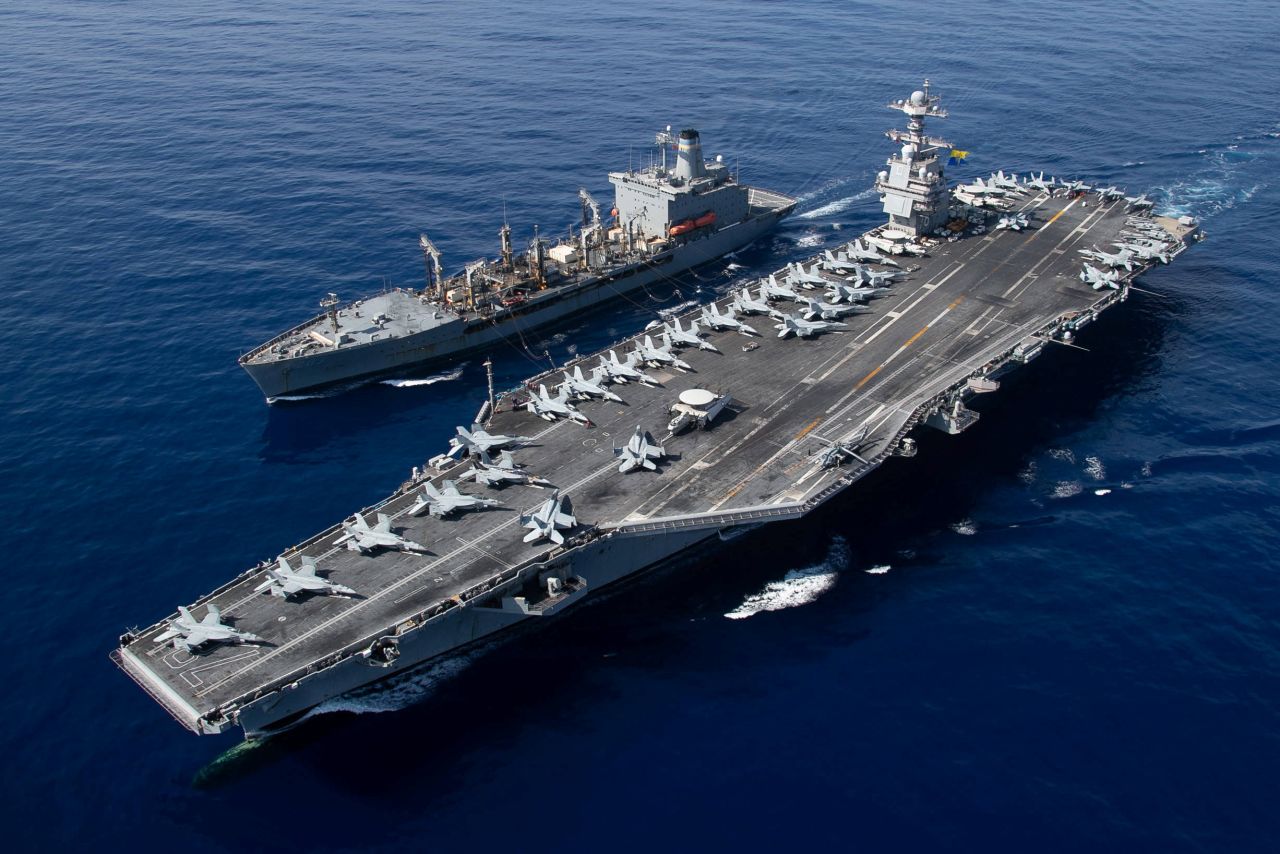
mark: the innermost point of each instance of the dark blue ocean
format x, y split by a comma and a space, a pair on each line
1033, 666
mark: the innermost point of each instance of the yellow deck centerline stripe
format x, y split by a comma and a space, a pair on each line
806, 431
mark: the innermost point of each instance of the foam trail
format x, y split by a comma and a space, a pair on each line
799, 586
837, 206
289, 398
398, 692
669, 313
431, 380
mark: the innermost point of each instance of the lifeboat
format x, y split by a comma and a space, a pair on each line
708, 218
683, 227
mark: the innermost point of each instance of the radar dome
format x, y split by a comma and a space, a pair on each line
917, 98
908, 152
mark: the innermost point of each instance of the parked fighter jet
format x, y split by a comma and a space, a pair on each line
838, 263
1111, 194
1014, 222
858, 251
444, 502
828, 311
620, 371
878, 278
1139, 203
190, 634
551, 408
1008, 183
1147, 252
848, 293
1074, 187
284, 581
479, 441
1099, 279
992, 202
770, 289
1122, 258
1038, 182
807, 328
649, 353
639, 452
579, 385
359, 537
748, 304
980, 189
797, 275
549, 520
682, 337
494, 475
712, 317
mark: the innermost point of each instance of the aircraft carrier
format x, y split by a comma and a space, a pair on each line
666, 219
763, 429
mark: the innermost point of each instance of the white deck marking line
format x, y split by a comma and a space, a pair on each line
916, 302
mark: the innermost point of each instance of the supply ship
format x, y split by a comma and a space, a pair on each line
744, 413
665, 220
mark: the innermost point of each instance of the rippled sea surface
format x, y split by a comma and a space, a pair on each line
974, 650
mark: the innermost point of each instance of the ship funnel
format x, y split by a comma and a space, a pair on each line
689, 156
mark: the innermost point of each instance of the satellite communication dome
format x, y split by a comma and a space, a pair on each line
697, 397
917, 98
908, 152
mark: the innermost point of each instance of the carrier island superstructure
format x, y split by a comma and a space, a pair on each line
748, 430
667, 217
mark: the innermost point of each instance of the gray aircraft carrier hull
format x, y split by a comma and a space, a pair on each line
450, 341
968, 313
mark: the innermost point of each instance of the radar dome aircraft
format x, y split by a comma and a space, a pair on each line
553, 516
639, 452
479, 441
284, 581
445, 502
359, 537
190, 634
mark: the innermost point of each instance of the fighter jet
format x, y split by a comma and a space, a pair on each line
1009, 183
624, 372
189, 634
648, 352
1099, 279
444, 502
1139, 203
838, 264
579, 385
1038, 182
1075, 187
770, 289
827, 311
807, 328
878, 278
1112, 193
682, 337
1122, 258
1146, 252
1014, 222
808, 279
980, 189
549, 520
478, 441
551, 408
359, 537
284, 581
992, 202
847, 293
494, 475
720, 322
748, 304
858, 251
639, 452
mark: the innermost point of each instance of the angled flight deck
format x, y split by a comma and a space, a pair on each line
968, 311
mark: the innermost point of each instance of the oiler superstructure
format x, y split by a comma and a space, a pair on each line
665, 220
